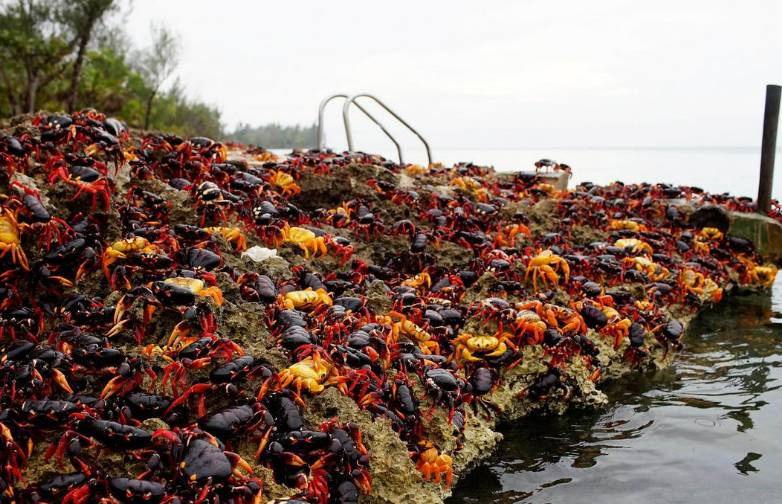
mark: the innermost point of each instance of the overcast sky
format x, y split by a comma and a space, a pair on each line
489, 74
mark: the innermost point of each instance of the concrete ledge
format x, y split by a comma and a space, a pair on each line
763, 231
558, 179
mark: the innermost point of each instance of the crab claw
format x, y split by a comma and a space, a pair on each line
213, 292
110, 256
59, 379
180, 334
372, 353
81, 271
198, 388
167, 435
293, 460
118, 328
113, 386
264, 389
124, 303
238, 462
78, 495
363, 481
263, 442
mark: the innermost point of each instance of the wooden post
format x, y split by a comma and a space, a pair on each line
769, 148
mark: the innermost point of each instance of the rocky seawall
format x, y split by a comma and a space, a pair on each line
188, 319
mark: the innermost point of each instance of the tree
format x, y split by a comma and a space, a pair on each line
157, 63
82, 17
34, 49
275, 136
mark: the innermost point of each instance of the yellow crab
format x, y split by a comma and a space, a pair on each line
692, 282
419, 280
266, 156
10, 241
472, 186
759, 275
401, 325
197, 287
121, 248
233, 235
644, 305
545, 266
307, 299
635, 245
415, 169
651, 269
704, 237
709, 234
285, 182
311, 374
475, 348
628, 225
466, 183
340, 215
306, 240
712, 291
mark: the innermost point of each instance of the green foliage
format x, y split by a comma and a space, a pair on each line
175, 113
58, 55
276, 136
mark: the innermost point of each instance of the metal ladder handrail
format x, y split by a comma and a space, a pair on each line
346, 119
321, 139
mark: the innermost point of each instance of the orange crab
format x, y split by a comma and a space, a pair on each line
434, 465
529, 323
233, 235
10, 241
559, 317
545, 266
285, 182
618, 326
306, 240
507, 235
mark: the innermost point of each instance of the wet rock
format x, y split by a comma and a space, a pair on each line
710, 216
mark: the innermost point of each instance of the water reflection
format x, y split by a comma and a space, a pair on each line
706, 430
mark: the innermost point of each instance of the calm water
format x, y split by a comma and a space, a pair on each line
728, 169
716, 169
707, 430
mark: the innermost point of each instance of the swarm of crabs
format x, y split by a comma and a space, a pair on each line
416, 293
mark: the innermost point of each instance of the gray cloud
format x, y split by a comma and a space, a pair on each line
490, 74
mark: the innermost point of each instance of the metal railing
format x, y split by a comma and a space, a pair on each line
321, 138
351, 100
